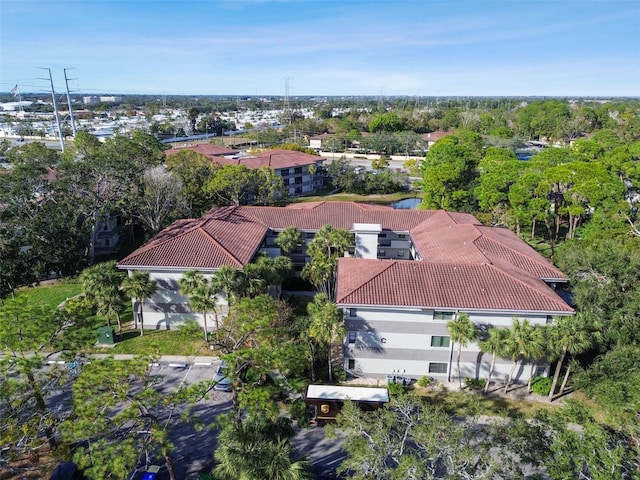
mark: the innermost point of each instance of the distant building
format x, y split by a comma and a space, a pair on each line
93, 99
299, 170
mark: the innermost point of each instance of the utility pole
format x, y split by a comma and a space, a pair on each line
73, 120
55, 107
287, 107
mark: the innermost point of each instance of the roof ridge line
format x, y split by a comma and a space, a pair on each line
224, 249
546, 291
149, 245
517, 252
391, 263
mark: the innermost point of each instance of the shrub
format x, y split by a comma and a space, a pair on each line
396, 388
299, 412
541, 385
426, 381
474, 384
190, 329
339, 374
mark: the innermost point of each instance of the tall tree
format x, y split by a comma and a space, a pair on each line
160, 200
570, 336
118, 416
201, 294
101, 283
516, 343
327, 324
139, 286
195, 171
493, 344
289, 239
463, 331
327, 246
256, 448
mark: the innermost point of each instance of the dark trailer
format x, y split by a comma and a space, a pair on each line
327, 400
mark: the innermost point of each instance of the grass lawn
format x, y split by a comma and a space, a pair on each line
352, 197
52, 294
159, 342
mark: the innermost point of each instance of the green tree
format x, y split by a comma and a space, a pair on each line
327, 246
232, 184
411, 439
516, 344
202, 296
118, 416
568, 336
386, 122
101, 283
493, 344
195, 171
463, 331
139, 286
289, 239
29, 332
327, 324
449, 171
256, 448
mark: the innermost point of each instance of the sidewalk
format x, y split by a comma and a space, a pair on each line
171, 360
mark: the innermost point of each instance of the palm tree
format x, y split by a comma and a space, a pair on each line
463, 331
139, 286
327, 246
101, 284
202, 296
288, 239
569, 335
493, 344
535, 349
516, 344
229, 280
326, 324
258, 449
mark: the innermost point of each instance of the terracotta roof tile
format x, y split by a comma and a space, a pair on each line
464, 264
441, 286
207, 243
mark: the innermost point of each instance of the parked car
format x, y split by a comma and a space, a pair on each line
223, 383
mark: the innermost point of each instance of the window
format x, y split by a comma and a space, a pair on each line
443, 316
440, 341
401, 253
107, 243
352, 364
298, 180
541, 371
402, 235
437, 367
382, 235
382, 253
549, 318
353, 312
352, 337
298, 170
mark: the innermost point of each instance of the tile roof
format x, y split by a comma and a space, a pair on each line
480, 286
463, 263
207, 149
276, 159
205, 243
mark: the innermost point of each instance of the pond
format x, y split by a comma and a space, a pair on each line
406, 204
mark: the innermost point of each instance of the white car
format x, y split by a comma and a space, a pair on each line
223, 383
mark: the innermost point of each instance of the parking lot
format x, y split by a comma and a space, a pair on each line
193, 448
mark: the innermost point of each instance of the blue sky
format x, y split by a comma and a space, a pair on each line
324, 47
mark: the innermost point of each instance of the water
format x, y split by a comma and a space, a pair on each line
407, 204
